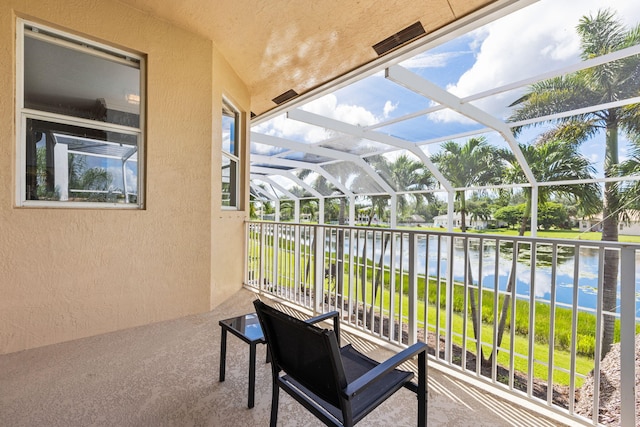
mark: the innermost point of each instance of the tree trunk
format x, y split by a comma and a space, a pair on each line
472, 298
378, 280
474, 310
610, 233
506, 302
463, 213
610, 274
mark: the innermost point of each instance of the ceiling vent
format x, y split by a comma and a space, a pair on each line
285, 96
411, 32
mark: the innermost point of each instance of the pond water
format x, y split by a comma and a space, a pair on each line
587, 272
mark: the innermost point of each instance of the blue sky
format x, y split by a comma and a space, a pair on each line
534, 40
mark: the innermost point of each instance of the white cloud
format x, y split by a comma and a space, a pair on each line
283, 127
389, 107
431, 60
264, 149
534, 40
326, 106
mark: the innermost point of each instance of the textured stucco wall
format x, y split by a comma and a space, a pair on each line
70, 273
227, 234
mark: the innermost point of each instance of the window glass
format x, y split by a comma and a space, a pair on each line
69, 81
81, 127
230, 156
71, 163
229, 124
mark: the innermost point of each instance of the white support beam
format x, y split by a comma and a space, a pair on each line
429, 90
393, 220
268, 180
583, 65
359, 132
296, 200
322, 151
286, 174
352, 211
265, 193
321, 210
627, 337
301, 165
451, 199
534, 211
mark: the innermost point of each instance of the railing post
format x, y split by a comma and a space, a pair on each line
261, 261
627, 337
392, 288
275, 255
318, 259
298, 243
448, 325
413, 290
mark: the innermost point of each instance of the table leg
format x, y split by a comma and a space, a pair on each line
252, 373
223, 353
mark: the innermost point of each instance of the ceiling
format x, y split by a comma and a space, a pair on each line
300, 45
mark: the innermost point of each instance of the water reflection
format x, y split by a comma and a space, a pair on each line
433, 253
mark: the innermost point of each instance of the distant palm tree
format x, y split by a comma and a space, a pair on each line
552, 159
476, 163
630, 191
310, 207
549, 160
616, 80
403, 174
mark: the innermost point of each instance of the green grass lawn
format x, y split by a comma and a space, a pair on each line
562, 357
551, 234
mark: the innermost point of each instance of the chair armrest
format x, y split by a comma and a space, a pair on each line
361, 383
336, 321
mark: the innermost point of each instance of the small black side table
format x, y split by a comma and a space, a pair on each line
247, 328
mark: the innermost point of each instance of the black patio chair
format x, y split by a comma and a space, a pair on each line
340, 386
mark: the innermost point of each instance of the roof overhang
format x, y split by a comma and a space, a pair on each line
287, 47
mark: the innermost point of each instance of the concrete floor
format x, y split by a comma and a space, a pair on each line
166, 374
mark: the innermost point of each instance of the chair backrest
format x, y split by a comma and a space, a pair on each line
308, 354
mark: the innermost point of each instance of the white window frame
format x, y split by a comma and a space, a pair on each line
55, 36
234, 159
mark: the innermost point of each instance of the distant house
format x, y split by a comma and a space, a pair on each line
632, 227
415, 219
363, 218
478, 224
627, 228
590, 224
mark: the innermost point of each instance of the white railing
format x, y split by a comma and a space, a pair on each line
406, 285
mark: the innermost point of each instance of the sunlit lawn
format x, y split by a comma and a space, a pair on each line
562, 358
551, 234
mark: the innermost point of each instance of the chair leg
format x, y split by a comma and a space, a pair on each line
274, 404
422, 389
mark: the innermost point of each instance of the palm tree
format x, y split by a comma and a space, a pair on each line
616, 80
404, 174
475, 163
630, 192
549, 160
552, 159
310, 207
324, 187
479, 209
